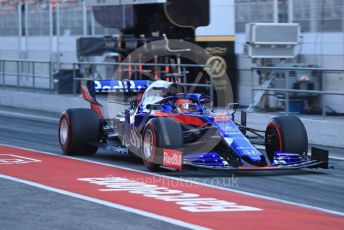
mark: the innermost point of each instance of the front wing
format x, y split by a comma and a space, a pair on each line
319, 159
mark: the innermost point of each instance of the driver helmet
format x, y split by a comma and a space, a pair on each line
185, 106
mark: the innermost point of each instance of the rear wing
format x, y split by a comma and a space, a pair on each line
126, 88
118, 86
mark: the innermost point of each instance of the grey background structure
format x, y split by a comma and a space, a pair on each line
48, 32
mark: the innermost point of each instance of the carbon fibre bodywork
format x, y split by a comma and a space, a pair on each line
210, 140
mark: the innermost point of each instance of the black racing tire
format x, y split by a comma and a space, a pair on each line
286, 134
166, 134
79, 131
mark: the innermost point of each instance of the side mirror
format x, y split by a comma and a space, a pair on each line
233, 107
153, 107
204, 101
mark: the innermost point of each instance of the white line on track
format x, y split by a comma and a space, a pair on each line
106, 203
194, 182
24, 115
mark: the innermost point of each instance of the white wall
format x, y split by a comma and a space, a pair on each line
222, 17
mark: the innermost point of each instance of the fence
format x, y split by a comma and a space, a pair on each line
45, 30
313, 15
287, 91
23, 74
39, 18
37, 75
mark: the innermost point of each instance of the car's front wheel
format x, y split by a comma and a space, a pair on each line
159, 134
286, 134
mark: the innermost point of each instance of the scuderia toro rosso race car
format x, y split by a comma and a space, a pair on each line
168, 128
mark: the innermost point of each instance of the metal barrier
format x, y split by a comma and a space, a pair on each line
13, 71
138, 72
26, 69
286, 91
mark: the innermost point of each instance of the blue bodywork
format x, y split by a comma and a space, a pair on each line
236, 149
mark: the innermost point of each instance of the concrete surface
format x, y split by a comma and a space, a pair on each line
27, 207
321, 188
40, 101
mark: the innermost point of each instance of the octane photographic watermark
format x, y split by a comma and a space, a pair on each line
183, 182
185, 195
181, 62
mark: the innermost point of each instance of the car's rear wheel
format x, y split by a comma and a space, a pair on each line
79, 131
286, 134
159, 134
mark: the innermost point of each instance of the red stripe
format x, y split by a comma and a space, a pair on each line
184, 119
277, 128
153, 156
98, 109
64, 173
66, 117
95, 106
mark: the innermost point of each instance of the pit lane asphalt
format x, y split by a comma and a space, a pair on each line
35, 207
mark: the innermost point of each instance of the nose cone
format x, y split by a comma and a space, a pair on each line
256, 160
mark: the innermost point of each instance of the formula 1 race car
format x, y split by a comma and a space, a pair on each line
169, 128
